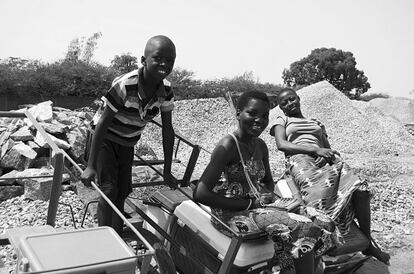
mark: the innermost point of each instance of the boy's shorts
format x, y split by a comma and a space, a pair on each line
114, 169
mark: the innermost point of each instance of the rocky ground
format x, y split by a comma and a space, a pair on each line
377, 146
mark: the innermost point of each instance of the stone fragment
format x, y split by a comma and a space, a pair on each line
10, 191
63, 118
18, 157
6, 147
40, 140
77, 141
37, 189
53, 128
22, 134
42, 112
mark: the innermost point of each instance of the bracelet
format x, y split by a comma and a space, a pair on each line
250, 204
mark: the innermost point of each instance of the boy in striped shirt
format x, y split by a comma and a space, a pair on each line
133, 100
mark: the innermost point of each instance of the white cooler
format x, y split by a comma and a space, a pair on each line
94, 250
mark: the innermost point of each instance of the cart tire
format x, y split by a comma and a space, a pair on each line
165, 263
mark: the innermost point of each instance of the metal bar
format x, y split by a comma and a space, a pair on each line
153, 162
71, 212
56, 189
86, 211
26, 177
230, 255
12, 114
44, 134
191, 165
120, 214
150, 221
176, 148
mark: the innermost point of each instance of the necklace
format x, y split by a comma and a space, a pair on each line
250, 148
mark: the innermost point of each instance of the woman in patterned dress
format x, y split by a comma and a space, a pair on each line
235, 202
324, 180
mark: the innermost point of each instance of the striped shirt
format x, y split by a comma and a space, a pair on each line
125, 98
301, 131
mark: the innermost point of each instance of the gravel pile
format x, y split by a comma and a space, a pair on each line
353, 130
400, 108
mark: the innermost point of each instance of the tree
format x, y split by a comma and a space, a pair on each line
82, 49
124, 63
336, 66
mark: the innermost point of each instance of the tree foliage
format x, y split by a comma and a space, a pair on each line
82, 49
124, 63
78, 75
336, 66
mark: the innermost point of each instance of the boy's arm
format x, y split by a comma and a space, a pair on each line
167, 143
98, 137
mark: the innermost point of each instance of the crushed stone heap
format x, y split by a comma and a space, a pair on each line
351, 130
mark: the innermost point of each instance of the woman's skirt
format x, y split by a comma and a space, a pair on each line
291, 233
328, 188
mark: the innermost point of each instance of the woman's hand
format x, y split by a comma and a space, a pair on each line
267, 197
327, 154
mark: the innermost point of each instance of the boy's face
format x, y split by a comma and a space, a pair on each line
159, 60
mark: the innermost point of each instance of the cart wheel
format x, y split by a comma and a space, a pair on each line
163, 264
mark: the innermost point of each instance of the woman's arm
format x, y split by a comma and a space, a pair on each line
221, 156
290, 148
267, 180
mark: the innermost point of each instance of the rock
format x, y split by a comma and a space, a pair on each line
145, 151
38, 189
42, 112
33, 145
18, 157
77, 141
22, 134
9, 143
4, 136
9, 191
144, 174
63, 118
53, 128
40, 140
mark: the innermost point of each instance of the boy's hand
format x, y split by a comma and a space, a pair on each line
88, 175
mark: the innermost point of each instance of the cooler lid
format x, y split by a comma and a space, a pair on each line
74, 248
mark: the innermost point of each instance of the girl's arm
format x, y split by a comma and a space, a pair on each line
221, 156
291, 149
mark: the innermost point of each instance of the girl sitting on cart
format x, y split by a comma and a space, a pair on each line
240, 200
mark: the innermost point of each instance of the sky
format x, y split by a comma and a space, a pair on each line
224, 38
